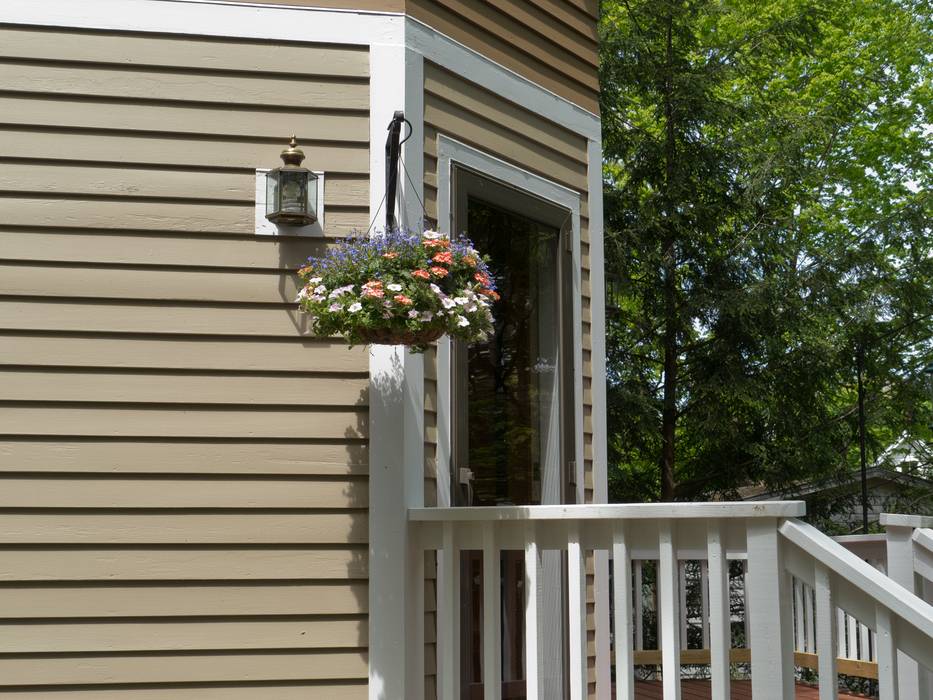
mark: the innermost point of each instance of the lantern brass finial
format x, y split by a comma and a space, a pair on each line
292, 156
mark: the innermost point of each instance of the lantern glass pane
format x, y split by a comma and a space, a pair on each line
293, 192
272, 184
312, 194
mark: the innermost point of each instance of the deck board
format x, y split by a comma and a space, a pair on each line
741, 690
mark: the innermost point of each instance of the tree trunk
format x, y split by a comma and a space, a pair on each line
669, 412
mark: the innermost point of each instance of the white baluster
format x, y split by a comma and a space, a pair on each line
800, 640
772, 644
887, 654
669, 612
532, 670
704, 602
825, 633
841, 632
852, 636
682, 590
492, 610
864, 649
449, 657
622, 592
639, 605
576, 594
720, 638
809, 617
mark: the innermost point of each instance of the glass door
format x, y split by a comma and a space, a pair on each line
512, 413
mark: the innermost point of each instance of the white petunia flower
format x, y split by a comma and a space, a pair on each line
315, 280
462, 321
354, 307
320, 289
471, 307
413, 314
335, 307
427, 316
317, 297
448, 303
394, 287
432, 235
436, 289
461, 301
302, 294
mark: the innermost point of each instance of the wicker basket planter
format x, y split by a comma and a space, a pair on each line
389, 336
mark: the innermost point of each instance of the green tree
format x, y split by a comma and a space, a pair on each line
767, 211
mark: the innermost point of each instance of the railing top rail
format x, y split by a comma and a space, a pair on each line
860, 539
899, 520
877, 585
924, 538
621, 511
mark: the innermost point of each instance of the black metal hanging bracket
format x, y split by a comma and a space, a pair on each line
393, 151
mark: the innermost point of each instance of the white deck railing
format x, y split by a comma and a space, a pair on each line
779, 551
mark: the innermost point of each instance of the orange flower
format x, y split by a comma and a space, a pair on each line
390, 256
482, 279
490, 293
402, 299
439, 272
445, 257
436, 243
469, 260
373, 288
421, 274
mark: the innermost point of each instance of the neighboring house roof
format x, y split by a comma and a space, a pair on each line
760, 492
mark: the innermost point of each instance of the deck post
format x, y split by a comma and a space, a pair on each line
901, 570
770, 638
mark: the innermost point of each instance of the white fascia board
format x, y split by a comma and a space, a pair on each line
197, 17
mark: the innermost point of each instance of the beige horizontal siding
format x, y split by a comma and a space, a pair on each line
156, 248
173, 52
128, 387
183, 491
551, 43
170, 601
355, 690
180, 421
181, 352
133, 635
105, 181
188, 668
182, 563
158, 492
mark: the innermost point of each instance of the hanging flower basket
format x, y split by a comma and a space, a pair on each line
400, 288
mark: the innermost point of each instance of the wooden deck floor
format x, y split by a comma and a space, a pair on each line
741, 690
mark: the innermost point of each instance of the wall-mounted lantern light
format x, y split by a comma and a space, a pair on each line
291, 191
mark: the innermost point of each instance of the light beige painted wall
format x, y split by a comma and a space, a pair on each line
551, 42
183, 485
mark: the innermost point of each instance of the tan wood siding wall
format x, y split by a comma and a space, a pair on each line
551, 42
183, 473
490, 123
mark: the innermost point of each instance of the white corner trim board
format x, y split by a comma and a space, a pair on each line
305, 24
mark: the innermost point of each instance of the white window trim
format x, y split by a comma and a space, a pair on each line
264, 227
451, 152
